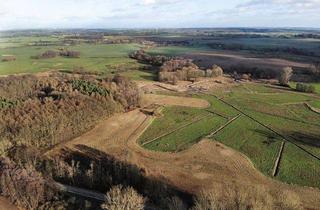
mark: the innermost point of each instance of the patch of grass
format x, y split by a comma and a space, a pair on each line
99, 58
252, 140
187, 136
173, 117
298, 168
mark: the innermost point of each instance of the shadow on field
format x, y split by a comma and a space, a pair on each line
271, 137
307, 139
96, 170
297, 138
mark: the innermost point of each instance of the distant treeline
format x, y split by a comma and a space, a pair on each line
289, 50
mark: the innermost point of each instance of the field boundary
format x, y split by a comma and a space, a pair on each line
274, 131
220, 115
277, 162
179, 128
283, 117
223, 126
311, 108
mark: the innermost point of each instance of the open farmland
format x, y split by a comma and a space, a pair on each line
270, 117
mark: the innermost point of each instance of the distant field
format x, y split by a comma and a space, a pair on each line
101, 58
281, 111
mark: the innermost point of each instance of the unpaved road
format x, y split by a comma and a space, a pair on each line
203, 166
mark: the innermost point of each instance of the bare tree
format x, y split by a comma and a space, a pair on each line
315, 68
123, 198
285, 75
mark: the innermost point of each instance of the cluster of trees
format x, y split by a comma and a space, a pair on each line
52, 54
24, 186
69, 53
306, 88
236, 46
50, 110
142, 56
8, 58
45, 55
176, 70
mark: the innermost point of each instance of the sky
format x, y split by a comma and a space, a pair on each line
25, 14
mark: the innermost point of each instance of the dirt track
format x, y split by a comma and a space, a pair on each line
203, 166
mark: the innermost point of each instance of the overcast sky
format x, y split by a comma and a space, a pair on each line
19, 14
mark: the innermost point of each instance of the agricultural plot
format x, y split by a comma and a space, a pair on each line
298, 168
104, 58
281, 111
252, 140
188, 135
285, 113
173, 118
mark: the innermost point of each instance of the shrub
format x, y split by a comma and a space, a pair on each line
230, 197
46, 54
8, 58
69, 53
123, 198
285, 76
305, 88
217, 71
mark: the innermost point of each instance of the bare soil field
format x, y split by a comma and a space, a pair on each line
227, 60
6, 205
174, 101
185, 86
203, 166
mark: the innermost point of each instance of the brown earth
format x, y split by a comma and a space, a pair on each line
204, 84
203, 166
149, 99
6, 205
227, 60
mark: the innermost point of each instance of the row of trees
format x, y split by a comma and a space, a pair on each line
143, 57
62, 52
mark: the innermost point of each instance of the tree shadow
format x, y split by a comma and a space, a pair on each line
98, 171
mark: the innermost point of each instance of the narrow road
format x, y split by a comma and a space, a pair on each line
80, 191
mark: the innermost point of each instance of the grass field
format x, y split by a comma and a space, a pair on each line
173, 117
282, 111
187, 136
100, 58
252, 140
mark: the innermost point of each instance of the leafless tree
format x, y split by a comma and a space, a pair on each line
285, 75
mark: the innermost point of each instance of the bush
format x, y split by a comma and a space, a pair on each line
69, 53
8, 58
46, 54
217, 71
123, 198
305, 88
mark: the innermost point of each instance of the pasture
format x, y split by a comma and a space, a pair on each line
97, 58
269, 117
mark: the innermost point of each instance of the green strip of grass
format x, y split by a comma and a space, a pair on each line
298, 168
253, 140
187, 136
173, 117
